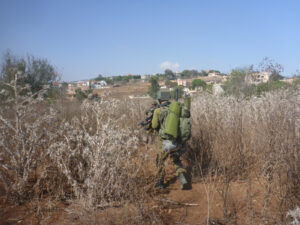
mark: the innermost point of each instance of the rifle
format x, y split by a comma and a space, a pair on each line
176, 95
149, 115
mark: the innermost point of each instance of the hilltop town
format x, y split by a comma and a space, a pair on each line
136, 86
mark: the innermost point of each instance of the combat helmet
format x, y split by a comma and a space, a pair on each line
163, 95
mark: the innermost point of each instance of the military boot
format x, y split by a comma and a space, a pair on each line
183, 181
160, 184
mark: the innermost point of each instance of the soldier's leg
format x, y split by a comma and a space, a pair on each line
160, 163
180, 171
175, 158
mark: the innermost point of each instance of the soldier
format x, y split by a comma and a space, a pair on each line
168, 146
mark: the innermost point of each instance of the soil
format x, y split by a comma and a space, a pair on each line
177, 206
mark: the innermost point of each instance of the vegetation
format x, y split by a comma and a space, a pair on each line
154, 87
33, 71
253, 141
118, 79
33, 75
91, 155
198, 83
170, 84
53, 152
169, 75
81, 95
238, 86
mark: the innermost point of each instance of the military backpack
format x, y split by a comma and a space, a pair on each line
184, 127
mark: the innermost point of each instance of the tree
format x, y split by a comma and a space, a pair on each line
273, 67
236, 85
154, 87
169, 75
198, 83
33, 71
99, 78
38, 73
11, 66
204, 73
189, 73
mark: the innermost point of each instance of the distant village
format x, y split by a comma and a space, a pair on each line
214, 78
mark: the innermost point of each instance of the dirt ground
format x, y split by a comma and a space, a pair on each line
176, 206
124, 91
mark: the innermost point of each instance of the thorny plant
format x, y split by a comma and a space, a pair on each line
91, 153
22, 136
96, 151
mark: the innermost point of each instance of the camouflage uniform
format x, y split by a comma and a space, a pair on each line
176, 151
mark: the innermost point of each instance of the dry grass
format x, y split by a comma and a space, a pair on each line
249, 140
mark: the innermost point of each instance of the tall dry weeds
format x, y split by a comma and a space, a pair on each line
242, 138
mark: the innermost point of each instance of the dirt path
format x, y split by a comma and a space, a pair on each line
188, 206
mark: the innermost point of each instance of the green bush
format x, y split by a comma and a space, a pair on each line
198, 83
81, 95
154, 87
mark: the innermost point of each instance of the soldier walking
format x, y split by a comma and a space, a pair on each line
170, 146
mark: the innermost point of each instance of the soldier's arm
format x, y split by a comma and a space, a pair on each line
155, 119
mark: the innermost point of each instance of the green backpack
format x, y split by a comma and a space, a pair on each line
184, 131
185, 126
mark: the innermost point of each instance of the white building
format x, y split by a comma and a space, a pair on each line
183, 83
256, 78
99, 84
213, 74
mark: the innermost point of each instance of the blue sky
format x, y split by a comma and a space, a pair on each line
86, 38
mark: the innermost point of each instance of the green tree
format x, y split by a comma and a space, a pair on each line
198, 83
275, 76
154, 87
204, 73
39, 72
169, 75
33, 71
99, 78
11, 66
236, 85
189, 73
81, 95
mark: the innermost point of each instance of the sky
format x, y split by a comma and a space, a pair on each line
116, 37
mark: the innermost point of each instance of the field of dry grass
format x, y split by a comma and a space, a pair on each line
72, 163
